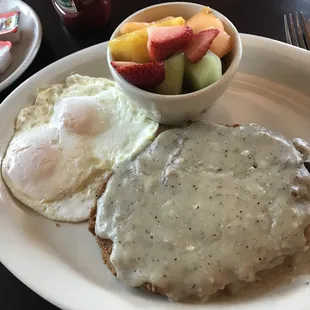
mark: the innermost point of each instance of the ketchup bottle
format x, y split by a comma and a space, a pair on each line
83, 15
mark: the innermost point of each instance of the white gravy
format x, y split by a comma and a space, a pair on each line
204, 207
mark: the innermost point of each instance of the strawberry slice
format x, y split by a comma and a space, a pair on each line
164, 42
200, 44
147, 75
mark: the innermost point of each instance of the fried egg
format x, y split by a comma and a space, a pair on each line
66, 144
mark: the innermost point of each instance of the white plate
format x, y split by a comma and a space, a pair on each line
24, 51
63, 264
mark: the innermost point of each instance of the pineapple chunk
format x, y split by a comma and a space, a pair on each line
130, 47
133, 46
133, 26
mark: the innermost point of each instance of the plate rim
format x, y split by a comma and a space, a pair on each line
32, 53
51, 295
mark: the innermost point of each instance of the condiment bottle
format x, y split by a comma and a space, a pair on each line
83, 15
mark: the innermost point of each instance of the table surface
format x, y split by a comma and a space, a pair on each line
260, 17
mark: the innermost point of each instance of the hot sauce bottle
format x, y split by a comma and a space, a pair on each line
83, 15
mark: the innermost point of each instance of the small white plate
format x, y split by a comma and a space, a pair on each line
63, 264
24, 51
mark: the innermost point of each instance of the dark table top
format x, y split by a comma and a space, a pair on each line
260, 17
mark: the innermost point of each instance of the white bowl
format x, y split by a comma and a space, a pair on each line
172, 109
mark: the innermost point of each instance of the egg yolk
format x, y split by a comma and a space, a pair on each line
44, 160
81, 115
32, 162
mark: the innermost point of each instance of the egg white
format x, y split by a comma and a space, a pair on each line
66, 144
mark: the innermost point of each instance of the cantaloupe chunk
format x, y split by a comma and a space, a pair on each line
204, 20
222, 44
133, 46
133, 26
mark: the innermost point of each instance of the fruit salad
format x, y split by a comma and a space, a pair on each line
172, 56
